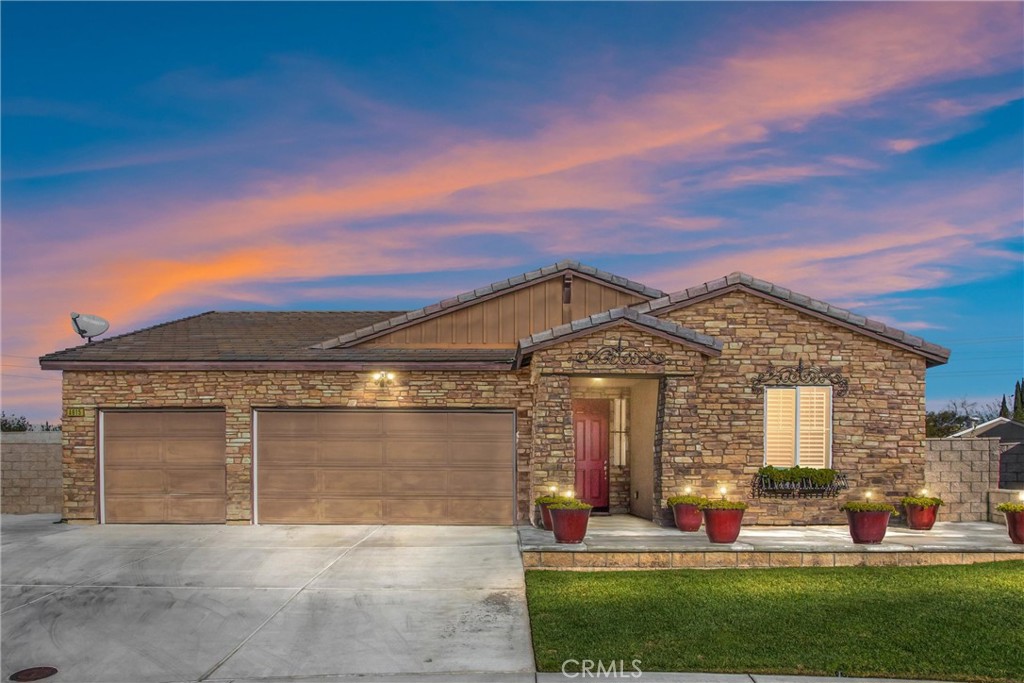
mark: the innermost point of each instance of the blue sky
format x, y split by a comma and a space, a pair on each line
164, 159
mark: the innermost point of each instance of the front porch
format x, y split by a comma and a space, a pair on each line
628, 542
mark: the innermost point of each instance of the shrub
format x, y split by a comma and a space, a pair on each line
547, 500
686, 500
821, 477
570, 504
14, 423
723, 505
1010, 507
921, 501
858, 506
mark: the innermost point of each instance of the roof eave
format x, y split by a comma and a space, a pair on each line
270, 365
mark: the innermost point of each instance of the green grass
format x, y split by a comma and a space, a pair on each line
944, 622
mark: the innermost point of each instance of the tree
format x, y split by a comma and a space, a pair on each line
1018, 402
14, 423
1004, 411
943, 423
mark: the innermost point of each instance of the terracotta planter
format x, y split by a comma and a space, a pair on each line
868, 526
921, 518
722, 526
1015, 525
570, 526
688, 516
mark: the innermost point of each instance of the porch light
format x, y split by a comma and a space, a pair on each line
688, 490
924, 492
384, 379
723, 489
867, 496
569, 493
553, 489
1020, 496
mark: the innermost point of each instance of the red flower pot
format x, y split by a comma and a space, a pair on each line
722, 526
1015, 525
688, 516
868, 526
545, 516
921, 518
570, 526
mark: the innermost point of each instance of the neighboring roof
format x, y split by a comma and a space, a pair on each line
663, 328
936, 355
348, 338
1001, 427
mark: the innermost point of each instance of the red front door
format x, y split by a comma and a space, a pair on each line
590, 417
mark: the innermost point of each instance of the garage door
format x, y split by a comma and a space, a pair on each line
397, 467
164, 466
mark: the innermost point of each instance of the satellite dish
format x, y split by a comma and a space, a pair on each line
88, 326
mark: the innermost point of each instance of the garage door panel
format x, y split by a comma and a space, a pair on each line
278, 480
349, 481
297, 424
136, 481
402, 467
196, 480
289, 453
164, 466
480, 511
352, 510
493, 483
416, 510
420, 482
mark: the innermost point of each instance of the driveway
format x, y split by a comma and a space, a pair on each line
229, 603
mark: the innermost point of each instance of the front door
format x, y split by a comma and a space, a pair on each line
590, 417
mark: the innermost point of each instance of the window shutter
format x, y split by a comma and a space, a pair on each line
815, 425
780, 427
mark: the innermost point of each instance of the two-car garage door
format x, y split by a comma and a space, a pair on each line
314, 467
385, 466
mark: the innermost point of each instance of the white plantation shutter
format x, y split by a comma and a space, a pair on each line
814, 424
779, 426
798, 426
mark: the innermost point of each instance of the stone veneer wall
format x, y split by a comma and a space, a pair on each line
878, 428
962, 472
239, 392
30, 464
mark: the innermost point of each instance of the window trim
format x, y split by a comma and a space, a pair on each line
796, 423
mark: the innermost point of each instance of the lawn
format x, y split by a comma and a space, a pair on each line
946, 622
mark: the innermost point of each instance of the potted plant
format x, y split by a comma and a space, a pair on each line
687, 512
722, 519
868, 521
1014, 520
543, 502
790, 482
569, 520
921, 511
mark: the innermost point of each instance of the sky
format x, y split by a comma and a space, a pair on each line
163, 159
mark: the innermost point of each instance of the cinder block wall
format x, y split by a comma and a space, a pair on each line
30, 467
1011, 466
962, 472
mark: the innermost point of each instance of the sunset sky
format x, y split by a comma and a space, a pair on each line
164, 159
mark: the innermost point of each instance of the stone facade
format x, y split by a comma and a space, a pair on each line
31, 464
962, 472
878, 427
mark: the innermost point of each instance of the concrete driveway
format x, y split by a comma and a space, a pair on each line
219, 603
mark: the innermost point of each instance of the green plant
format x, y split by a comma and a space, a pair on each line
570, 504
860, 506
686, 500
1010, 507
723, 505
547, 500
921, 501
815, 476
14, 423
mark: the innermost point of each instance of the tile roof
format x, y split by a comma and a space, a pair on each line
616, 315
225, 336
936, 353
350, 337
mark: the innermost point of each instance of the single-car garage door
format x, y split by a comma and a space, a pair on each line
164, 466
385, 466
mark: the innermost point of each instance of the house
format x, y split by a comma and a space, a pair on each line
462, 412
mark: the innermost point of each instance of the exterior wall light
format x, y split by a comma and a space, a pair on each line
384, 379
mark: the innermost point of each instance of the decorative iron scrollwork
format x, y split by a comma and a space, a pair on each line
801, 375
617, 354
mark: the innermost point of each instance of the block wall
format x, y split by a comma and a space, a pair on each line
31, 475
962, 472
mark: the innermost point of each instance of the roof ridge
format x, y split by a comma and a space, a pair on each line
128, 334
487, 290
816, 306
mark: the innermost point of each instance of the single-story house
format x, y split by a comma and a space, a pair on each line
462, 412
